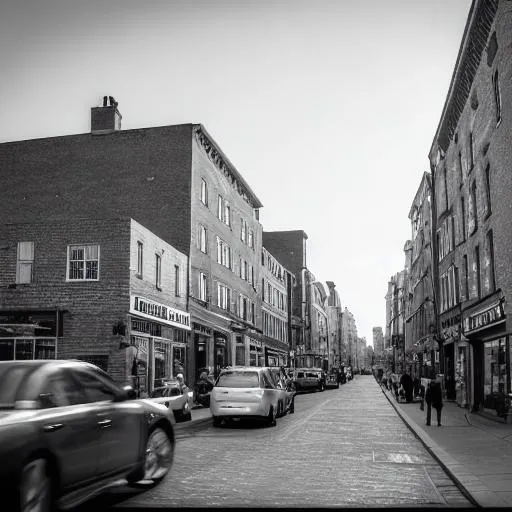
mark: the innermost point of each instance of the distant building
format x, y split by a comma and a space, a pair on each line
337, 349
349, 336
378, 345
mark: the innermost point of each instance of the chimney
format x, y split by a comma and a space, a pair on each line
105, 119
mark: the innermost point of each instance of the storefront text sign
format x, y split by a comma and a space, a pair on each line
481, 319
160, 312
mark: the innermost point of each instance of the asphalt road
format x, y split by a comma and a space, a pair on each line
345, 447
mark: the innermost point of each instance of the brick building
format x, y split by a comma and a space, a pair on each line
470, 160
420, 313
175, 181
82, 288
337, 350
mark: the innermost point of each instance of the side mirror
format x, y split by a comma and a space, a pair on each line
128, 393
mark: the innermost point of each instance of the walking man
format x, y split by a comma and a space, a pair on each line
434, 398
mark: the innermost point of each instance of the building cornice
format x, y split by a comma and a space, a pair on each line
222, 163
476, 33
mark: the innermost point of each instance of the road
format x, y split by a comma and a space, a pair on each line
342, 448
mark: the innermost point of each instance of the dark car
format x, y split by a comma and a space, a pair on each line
331, 381
309, 379
68, 431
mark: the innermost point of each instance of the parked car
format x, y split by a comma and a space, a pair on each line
331, 381
68, 431
178, 399
309, 379
244, 392
286, 386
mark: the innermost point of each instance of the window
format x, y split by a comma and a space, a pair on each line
177, 281
60, 391
263, 289
453, 233
445, 181
461, 171
140, 259
463, 218
97, 389
489, 263
476, 270
224, 254
202, 239
227, 214
83, 262
497, 96
251, 239
488, 190
243, 230
204, 192
223, 296
466, 277
158, 271
471, 152
203, 286
472, 222
220, 208
25, 262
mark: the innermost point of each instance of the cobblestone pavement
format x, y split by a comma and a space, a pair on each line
342, 448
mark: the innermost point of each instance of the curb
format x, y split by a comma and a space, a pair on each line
436, 451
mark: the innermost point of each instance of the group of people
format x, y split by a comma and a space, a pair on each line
404, 387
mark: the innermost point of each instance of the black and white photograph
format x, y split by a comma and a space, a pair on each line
255, 254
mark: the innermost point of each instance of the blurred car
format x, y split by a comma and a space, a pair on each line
331, 381
178, 399
245, 391
286, 388
69, 431
309, 379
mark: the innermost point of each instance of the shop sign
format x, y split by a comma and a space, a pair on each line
255, 342
201, 329
160, 312
484, 318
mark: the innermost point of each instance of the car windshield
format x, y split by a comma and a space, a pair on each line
311, 374
239, 379
11, 376
158, 393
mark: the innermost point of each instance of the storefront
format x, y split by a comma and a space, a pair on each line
462, 372
484, 326
158, 341
29, 334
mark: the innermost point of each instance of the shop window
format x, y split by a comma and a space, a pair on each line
25, 262
240, 353
495, 375
83, 262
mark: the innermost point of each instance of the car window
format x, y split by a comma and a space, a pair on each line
11, 377
238, 379
300, 375
157, 393
309, 374
60, 390
96, 389
267, 382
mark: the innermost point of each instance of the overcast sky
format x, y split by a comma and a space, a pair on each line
327, 108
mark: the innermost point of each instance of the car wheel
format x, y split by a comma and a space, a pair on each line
271, 418
35, 487
159, 455
217, 421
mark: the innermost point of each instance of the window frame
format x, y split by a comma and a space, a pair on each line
177, 280
203, 287
203, 239
68, 265
204, 192
497, 96
158, 271
140, 260
25, 262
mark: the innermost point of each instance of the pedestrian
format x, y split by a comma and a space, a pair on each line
434, 398
407, 384
181, 382
422, 397
202, 390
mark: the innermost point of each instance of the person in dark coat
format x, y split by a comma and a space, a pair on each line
408, 385
202, 390
434, 398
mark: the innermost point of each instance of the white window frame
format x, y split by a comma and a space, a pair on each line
223, 296
227, 213
140, 259
203, 239
85, 261
203, 287
204, 192
23, 261
220, 208
158, 271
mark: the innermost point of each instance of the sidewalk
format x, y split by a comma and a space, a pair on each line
200, 415
474, 450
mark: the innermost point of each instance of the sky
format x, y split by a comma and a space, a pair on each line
327, 108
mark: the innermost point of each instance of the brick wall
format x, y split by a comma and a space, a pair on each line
89, 308
143, 174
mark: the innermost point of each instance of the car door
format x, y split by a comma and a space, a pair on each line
120, 423
69, 428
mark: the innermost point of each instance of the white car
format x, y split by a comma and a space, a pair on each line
245, 391
178, 400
